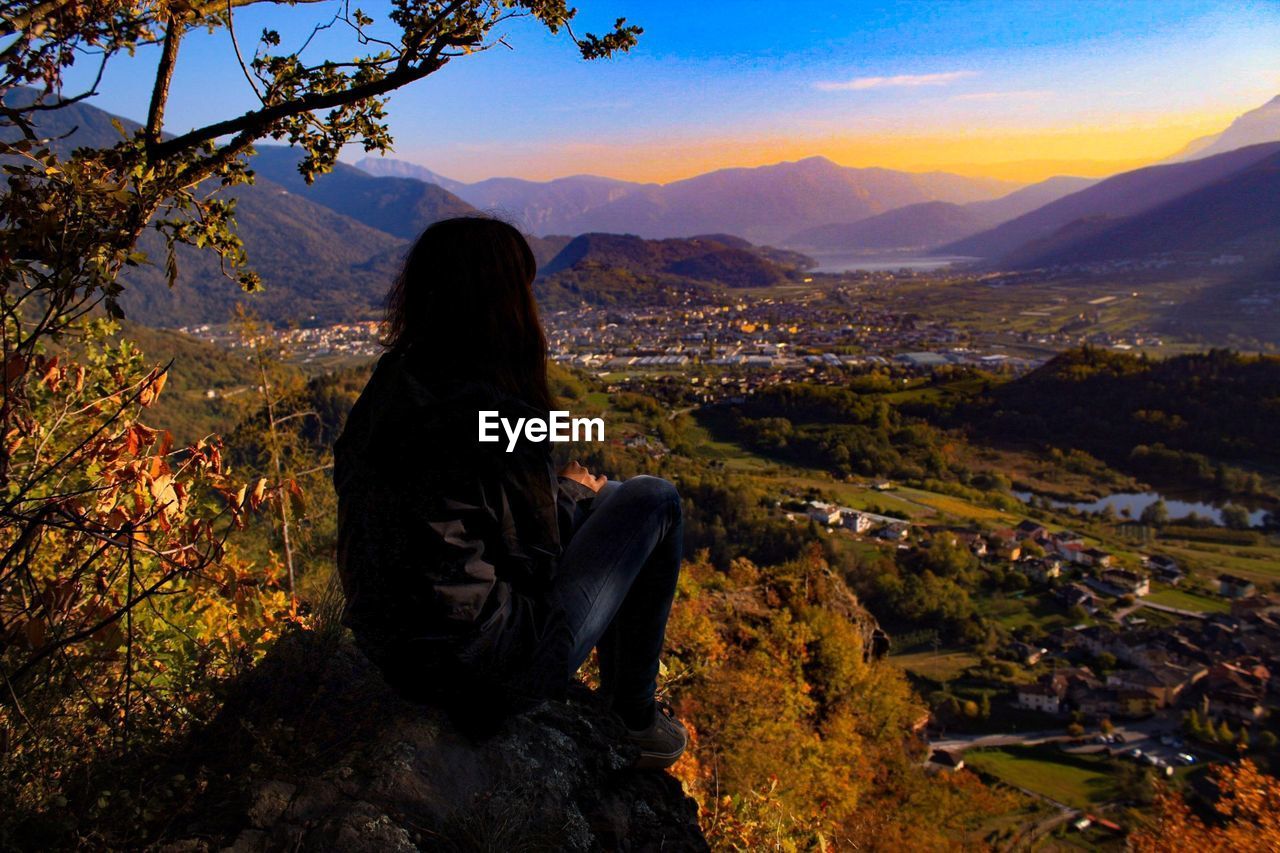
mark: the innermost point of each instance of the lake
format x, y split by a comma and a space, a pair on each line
1136, 502
844, 262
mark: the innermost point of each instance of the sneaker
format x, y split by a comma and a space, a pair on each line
662, 743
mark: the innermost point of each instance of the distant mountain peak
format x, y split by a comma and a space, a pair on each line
1254, 127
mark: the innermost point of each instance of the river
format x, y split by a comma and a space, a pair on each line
845, 262
1136, 502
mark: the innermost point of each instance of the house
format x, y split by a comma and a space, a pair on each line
1166, 569
1006, 544
1064, 538
824, 513
894, 532
1041, 570
1041, 696
1096, 557
1030, 530
1230, 586
1072, 552
1026, 653
1136, 703
973, 541
858, 522
1131, 583
1075, 594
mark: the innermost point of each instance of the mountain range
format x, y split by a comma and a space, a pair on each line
926, 225
328, 251
1115, 198
764, 204
1238, 215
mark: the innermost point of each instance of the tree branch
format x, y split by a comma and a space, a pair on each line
164, 76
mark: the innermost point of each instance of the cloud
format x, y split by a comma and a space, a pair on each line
859, 84
1014, 95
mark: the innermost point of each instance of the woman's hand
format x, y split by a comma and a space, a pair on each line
579, 474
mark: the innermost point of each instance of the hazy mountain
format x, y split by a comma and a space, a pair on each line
398, 206
916, 226
1116, 197
548, 207
1029, 198
1253, 128
536, 207
764, 204
932, 223
769, 203
386, 167
1237, 215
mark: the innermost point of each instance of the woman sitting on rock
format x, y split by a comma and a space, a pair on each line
479, 577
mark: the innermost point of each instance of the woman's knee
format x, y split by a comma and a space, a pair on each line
654, 491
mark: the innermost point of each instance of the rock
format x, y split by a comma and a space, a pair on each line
314, 752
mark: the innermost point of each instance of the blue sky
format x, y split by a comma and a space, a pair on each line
1012, 88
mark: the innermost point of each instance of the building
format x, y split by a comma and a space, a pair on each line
1230, 586
1131, 583
1041, 570
1043, 697
824, 513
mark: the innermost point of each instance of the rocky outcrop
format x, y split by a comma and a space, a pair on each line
313, 752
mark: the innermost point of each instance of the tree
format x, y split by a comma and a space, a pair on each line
1156, 514
1235, 517
1247, 811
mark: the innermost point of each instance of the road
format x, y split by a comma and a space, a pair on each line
1133, 733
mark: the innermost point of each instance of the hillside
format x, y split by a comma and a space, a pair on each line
314, 261
1166, 420
402, 207
1119, 196
608, 268
316, 265
1239, 215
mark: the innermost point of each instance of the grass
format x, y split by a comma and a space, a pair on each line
943, 665
957, 507
1081, 781
1184, 600
1257, 563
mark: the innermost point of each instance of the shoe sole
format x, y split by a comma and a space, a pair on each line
659, 760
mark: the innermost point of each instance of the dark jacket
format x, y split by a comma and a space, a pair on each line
446, 545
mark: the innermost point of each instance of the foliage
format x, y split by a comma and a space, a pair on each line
120, 600
1247, 812
801, 741
1185, 419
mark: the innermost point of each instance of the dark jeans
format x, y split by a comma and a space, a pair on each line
615, 583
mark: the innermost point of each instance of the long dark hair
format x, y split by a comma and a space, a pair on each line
463, 308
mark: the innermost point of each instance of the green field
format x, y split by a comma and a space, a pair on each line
1081, 781
1184, 600
943, 665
